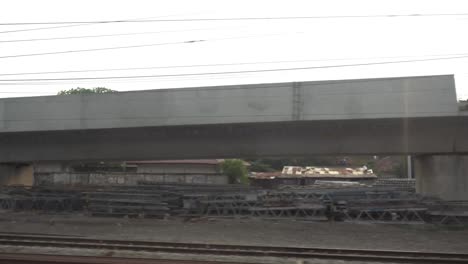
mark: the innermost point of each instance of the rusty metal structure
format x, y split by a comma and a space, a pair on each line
353, 204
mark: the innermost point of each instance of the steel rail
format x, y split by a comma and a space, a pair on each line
16, 258
236, 250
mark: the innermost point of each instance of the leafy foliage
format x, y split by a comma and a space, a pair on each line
463, 105
235, 170
80, 90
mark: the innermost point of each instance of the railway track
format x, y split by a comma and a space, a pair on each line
230, 250
62, 259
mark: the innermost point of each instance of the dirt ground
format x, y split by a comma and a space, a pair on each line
421, 237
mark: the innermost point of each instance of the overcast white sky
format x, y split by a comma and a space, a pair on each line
315, 42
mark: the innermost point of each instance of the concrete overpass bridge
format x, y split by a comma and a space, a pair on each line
409, 115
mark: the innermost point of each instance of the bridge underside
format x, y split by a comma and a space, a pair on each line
428, 135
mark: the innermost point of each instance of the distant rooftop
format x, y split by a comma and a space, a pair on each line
266, 175
310, 170
296, 171
317, 172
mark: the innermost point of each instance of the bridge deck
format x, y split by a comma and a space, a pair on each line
426, 96
411, 115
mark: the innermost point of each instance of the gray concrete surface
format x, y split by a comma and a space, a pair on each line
441, 135
426, 96
442, 176
409, 115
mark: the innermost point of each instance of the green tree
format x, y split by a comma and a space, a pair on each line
236, 171
80, 90
463, 105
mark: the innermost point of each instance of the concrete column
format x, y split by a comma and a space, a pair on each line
409, 167
16, 174
445, 177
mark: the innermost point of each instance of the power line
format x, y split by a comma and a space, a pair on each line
133, 46
103, 35
77, 24
99, 49
227, 72
42, 28
231, 19
226, 64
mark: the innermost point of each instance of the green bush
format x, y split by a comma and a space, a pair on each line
235, 170
79, 90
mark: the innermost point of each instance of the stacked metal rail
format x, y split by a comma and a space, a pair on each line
154, 200
447, 212
124, 203
308, 203
377, 205
43, 199
396, 183
263, 204
297, 204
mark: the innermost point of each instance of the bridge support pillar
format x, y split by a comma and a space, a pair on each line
16, 174
445, 177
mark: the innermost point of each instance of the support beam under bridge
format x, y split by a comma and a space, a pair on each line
445, 177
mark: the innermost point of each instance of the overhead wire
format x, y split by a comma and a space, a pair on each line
41, 28
227, 72
104, 35
98, 49
137, 46
76, 24
229, 64
234, 19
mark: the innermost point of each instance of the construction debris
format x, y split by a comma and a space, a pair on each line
396, 183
